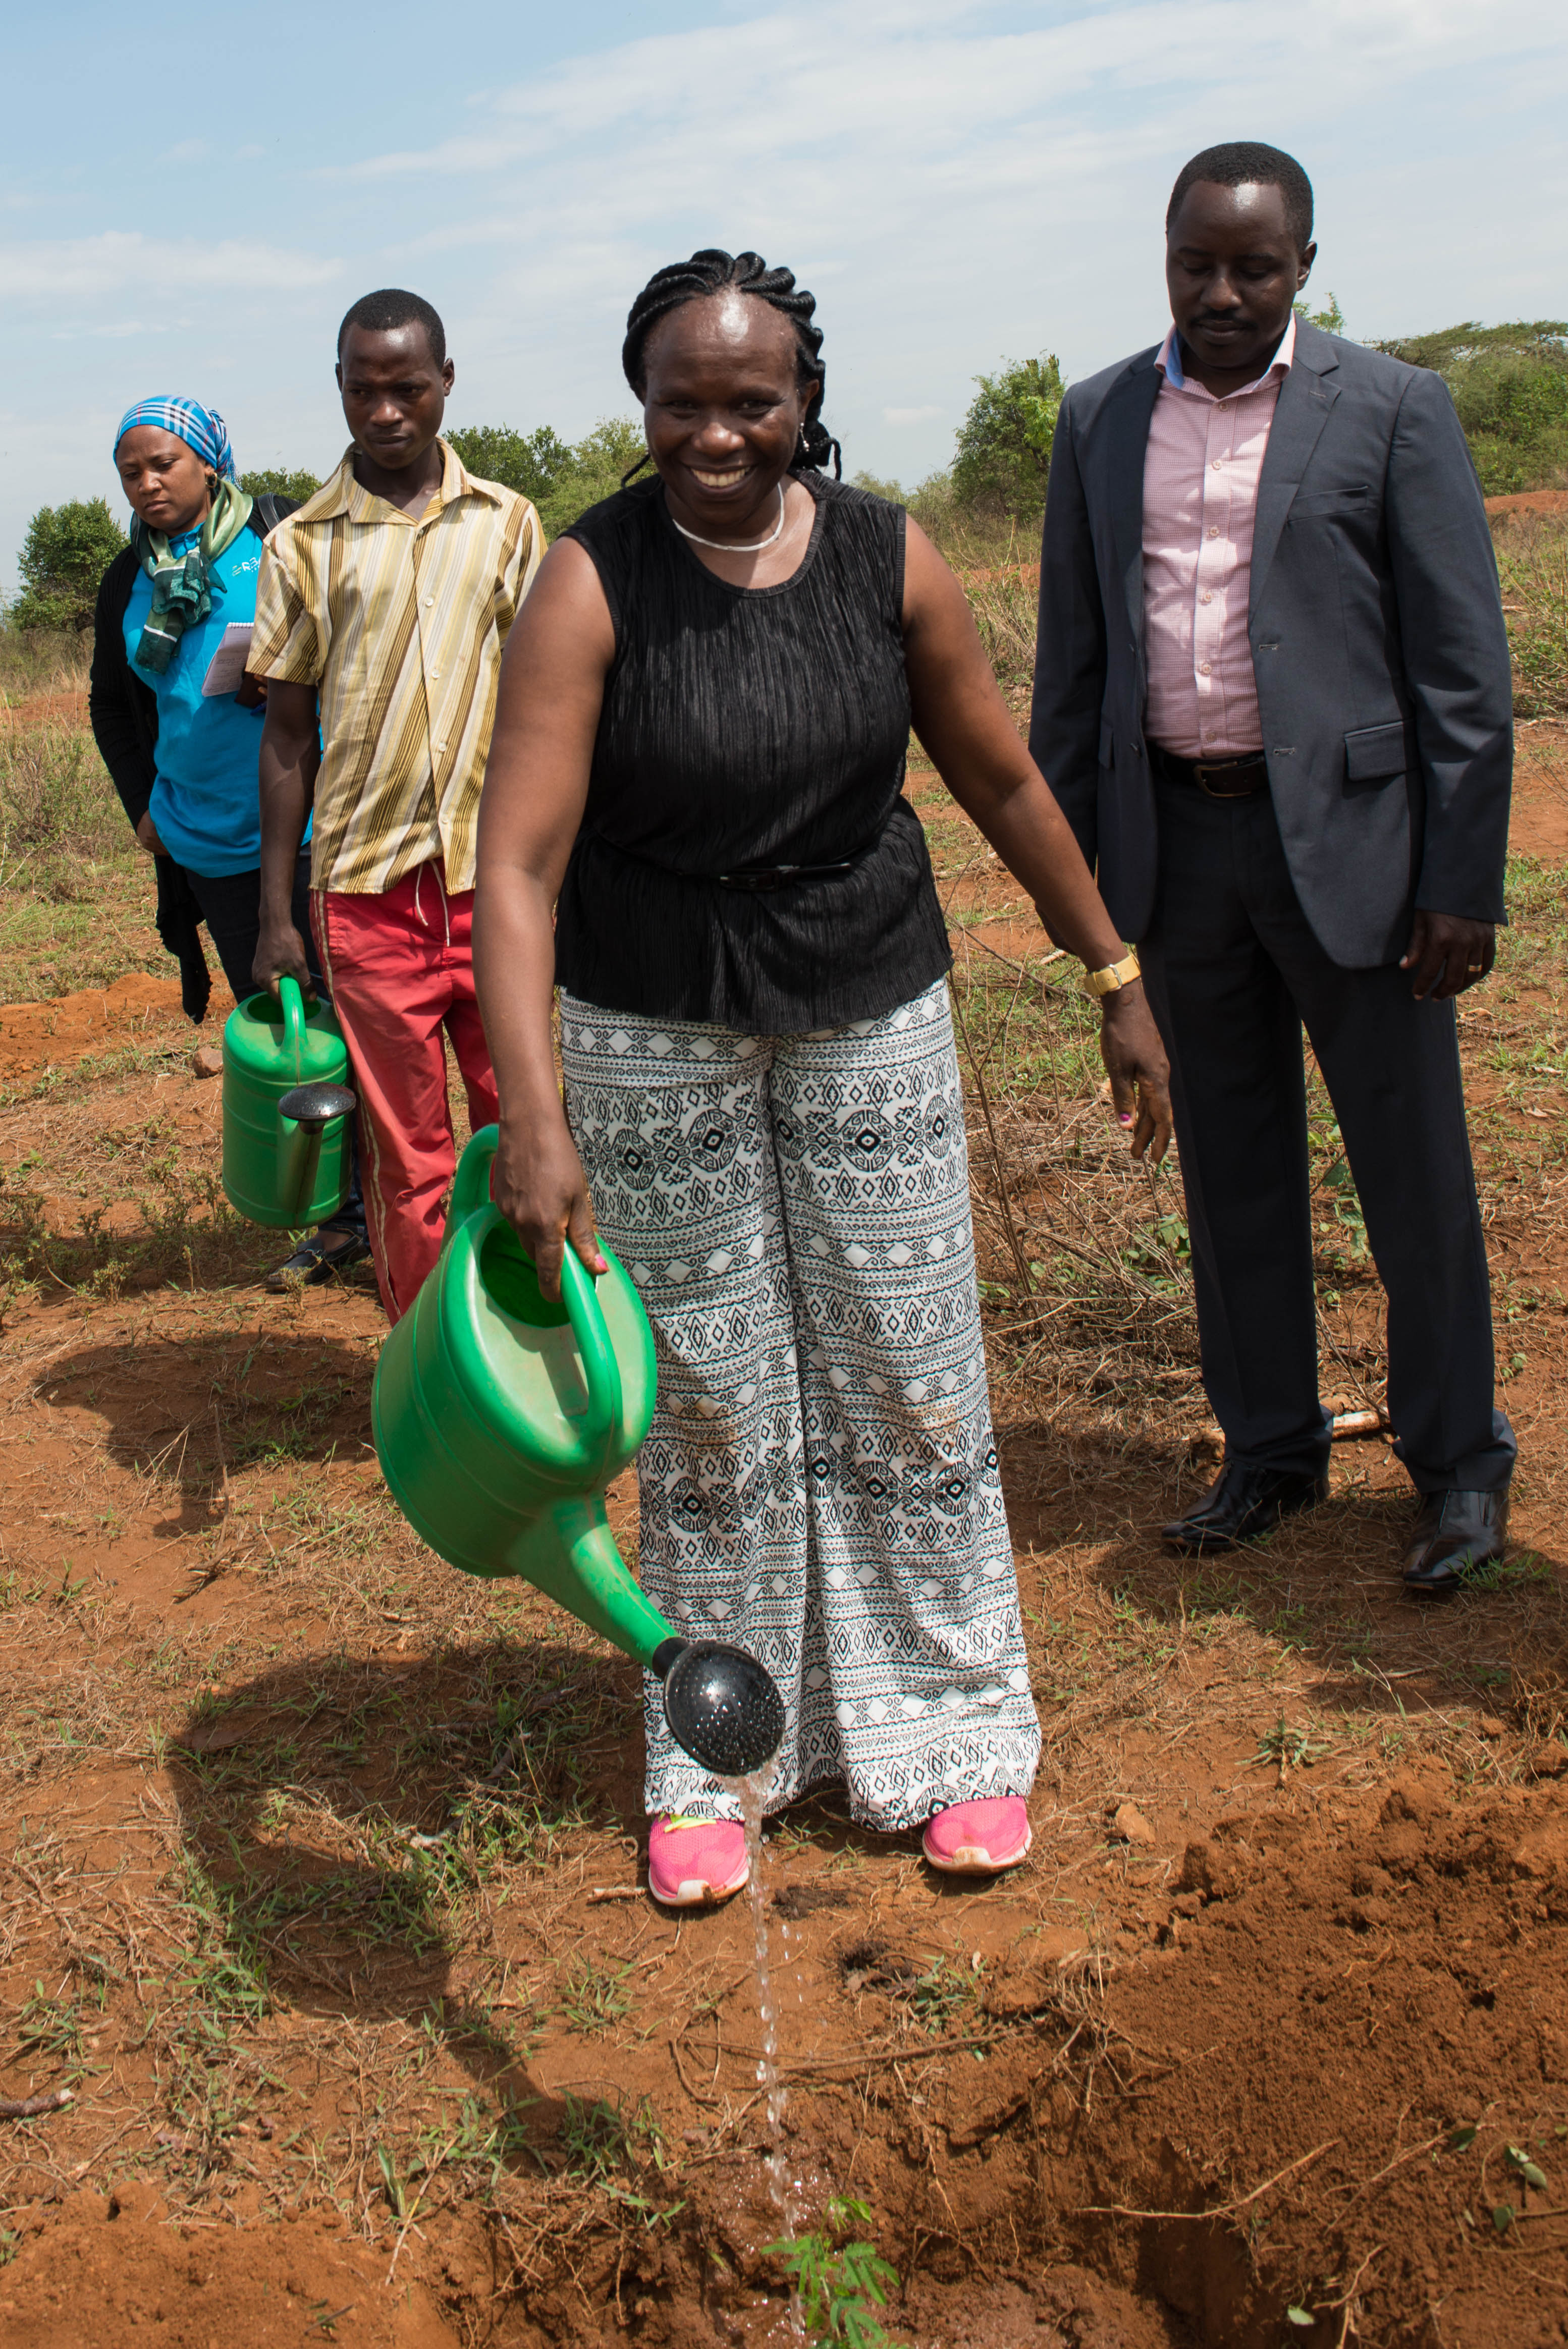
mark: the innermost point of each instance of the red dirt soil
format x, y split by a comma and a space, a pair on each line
108, 2270
1275, 2018
1540, 502
39, 708
35, 1036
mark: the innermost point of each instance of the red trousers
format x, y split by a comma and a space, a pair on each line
399, 969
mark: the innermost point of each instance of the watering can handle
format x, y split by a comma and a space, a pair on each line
601, 1371
292, 1003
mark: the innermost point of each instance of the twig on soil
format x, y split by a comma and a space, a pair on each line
1346, 2303
1004, 1194
27, 2108
1221, 2210
867, 2061
1398, 2161
1029, 969
696, 2094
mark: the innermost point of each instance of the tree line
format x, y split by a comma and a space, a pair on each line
1510, 386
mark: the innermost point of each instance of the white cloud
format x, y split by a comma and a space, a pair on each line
125, 261
189, 151
960, 182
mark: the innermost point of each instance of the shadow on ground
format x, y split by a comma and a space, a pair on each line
1324, 1584
189, 1409
343, 1816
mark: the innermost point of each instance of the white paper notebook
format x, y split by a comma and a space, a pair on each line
227, 666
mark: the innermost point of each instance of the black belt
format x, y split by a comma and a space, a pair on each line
751, 878
1222, 779
777, 876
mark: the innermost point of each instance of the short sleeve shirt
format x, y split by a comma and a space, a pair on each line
400, 622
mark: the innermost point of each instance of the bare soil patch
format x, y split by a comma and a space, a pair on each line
66, 1028
322, 1869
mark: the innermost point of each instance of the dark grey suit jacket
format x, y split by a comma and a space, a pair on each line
1377, 635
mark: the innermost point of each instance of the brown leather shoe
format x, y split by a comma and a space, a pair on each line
1457, 1536
1242, 1504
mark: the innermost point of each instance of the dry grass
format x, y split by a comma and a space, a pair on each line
1533, 563
38, 660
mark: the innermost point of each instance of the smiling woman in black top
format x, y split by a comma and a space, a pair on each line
699, 752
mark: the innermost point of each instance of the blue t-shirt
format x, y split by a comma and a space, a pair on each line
206, 801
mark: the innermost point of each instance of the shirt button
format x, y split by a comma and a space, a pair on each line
1213, 530
435, 676
1203, 668
1206, 597
1217, 462
430, 603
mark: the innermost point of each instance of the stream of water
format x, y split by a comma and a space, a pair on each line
750, 1793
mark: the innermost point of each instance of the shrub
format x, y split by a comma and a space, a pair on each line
563, 479
65, 554
1330, 319
1003, 454
530, 462
597, 463
1510, 384
275, 480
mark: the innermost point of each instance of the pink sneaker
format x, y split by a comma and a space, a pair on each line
978, 1838
693, 1862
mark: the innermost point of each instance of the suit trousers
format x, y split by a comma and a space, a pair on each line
1234, 972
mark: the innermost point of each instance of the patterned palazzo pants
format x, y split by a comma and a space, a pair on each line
820, 1483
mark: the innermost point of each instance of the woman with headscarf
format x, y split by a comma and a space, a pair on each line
178, 723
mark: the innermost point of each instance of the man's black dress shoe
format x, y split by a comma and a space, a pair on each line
1241, 1504
1457, 1536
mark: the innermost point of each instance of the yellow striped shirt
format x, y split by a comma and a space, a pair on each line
399, 623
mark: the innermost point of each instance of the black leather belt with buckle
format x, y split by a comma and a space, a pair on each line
1222, 779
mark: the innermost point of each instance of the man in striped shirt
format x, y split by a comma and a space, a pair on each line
389, 595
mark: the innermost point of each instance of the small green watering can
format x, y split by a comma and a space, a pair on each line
499, 1419
287, 1143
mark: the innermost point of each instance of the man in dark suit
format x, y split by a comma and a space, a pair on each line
1273, 697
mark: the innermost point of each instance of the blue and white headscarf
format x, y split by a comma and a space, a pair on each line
183, 586
202, 429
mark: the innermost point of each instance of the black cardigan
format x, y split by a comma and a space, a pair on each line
123, 712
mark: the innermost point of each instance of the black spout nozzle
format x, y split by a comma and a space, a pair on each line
315, 1105
721, 1705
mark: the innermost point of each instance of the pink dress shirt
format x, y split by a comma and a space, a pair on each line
1199, 501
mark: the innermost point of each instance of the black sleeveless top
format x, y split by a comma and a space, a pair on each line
746, 731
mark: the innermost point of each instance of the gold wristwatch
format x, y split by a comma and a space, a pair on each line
1114, 974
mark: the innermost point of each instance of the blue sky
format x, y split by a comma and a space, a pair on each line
187, 202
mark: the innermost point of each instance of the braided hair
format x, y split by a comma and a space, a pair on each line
712, 272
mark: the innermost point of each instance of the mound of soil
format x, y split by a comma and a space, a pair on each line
1546, 502
35, 1036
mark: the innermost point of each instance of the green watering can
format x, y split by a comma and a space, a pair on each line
499, 1419
287, 1143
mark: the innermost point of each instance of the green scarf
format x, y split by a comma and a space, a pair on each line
182, 584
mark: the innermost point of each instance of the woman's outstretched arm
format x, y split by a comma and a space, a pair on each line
963, 722
536, 783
